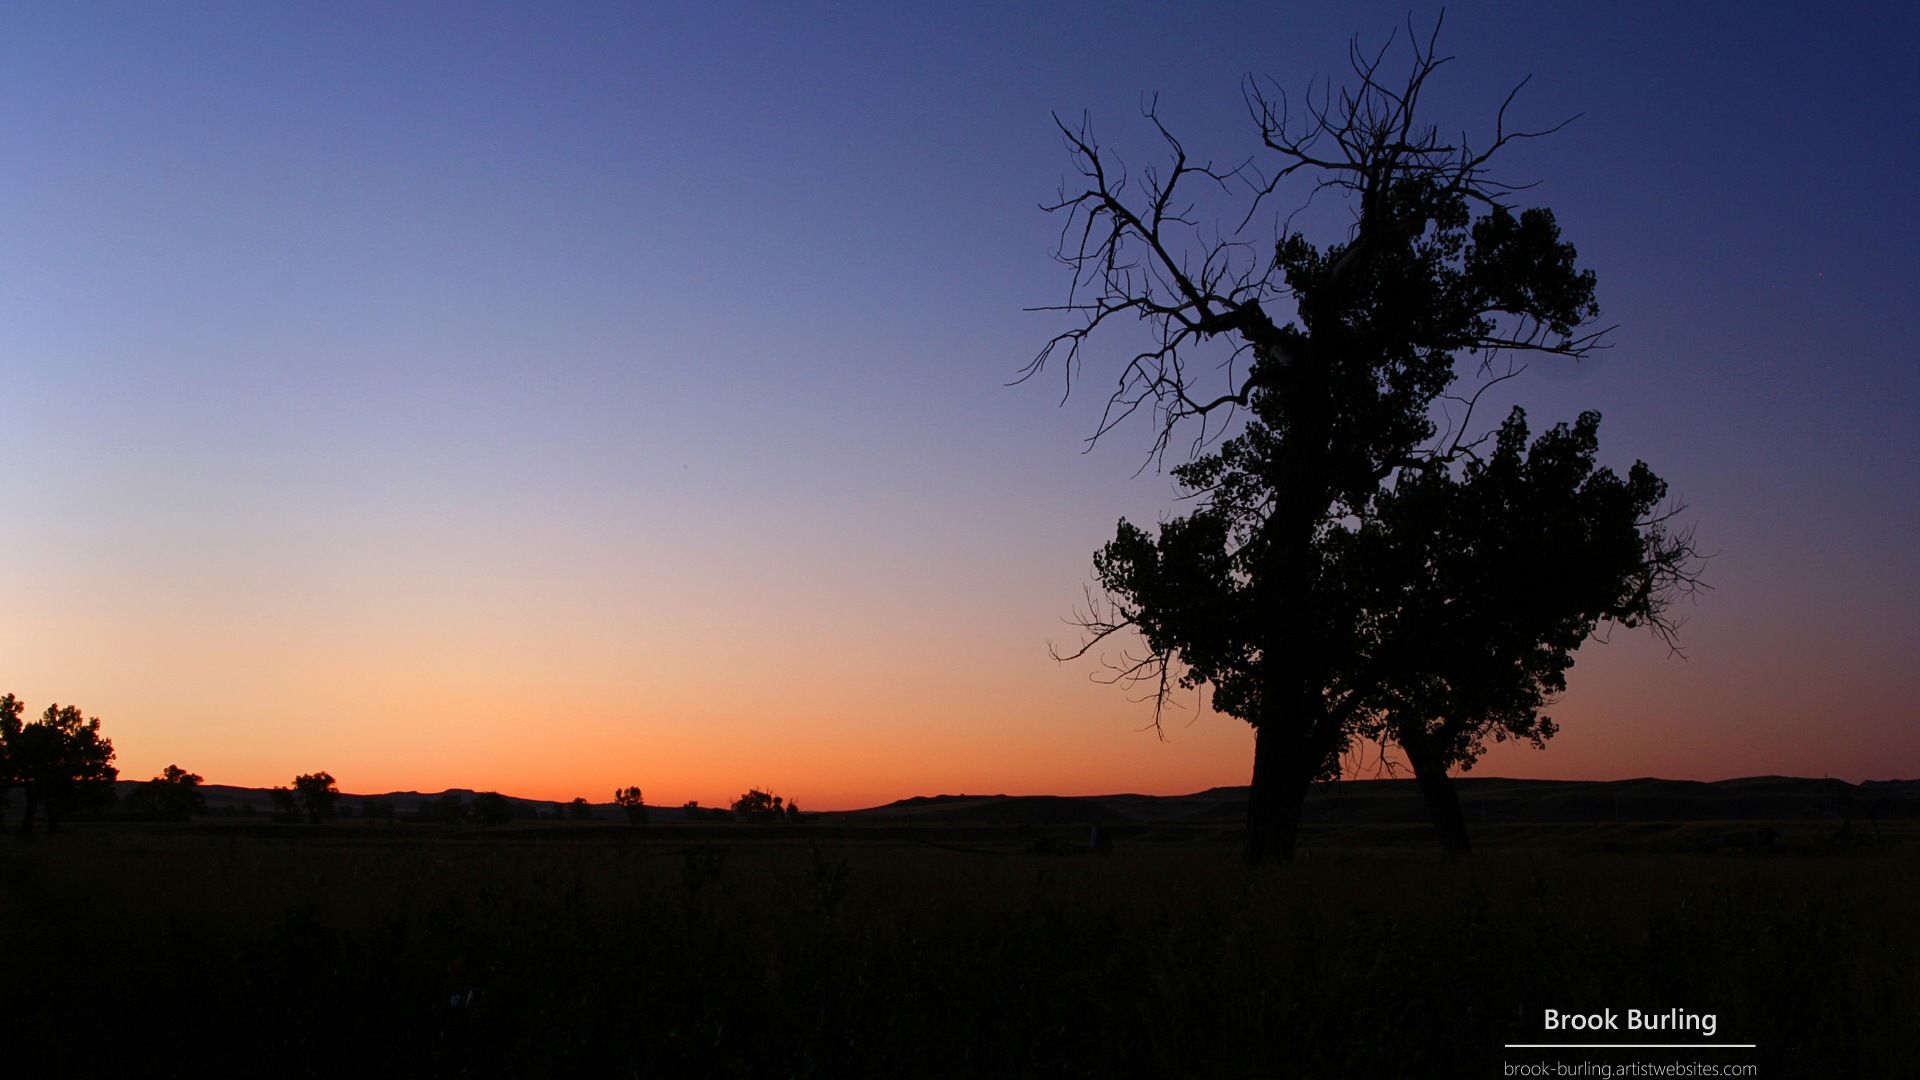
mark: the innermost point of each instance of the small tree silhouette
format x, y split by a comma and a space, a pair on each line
761, 807
318, 796
10, 709
579, 810
630, 800
174, 795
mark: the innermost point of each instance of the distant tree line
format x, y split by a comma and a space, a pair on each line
313, 799
63, 765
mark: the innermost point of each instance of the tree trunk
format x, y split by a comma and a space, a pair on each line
1291, 741
1443, 802
1282, 773
33, 803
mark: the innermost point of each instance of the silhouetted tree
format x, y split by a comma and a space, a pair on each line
286, 805
1479, 587
318, 796
490, 808
1335, 356
630, 800
579, 809
10, 710
695, 812
174, 795
60, 760
761, 807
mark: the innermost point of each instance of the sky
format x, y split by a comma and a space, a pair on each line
550, 398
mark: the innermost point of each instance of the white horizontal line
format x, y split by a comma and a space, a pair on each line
1631, 1046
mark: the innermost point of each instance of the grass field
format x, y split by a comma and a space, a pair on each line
378, 950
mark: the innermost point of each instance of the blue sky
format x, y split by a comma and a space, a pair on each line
539, 396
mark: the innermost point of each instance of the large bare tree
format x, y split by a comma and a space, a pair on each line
1336, 356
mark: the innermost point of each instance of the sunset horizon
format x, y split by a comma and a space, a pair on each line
983, 540
548, 401
352, 792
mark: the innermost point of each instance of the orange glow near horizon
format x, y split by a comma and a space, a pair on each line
1039, 728
840, 696
475, 403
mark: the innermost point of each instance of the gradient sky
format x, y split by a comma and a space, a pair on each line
553, 397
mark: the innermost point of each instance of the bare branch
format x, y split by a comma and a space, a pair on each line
1673, 569
1140, 249
1099, 620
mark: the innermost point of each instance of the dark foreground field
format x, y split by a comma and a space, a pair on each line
373, 950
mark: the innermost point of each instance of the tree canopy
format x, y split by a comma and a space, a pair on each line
317, 795
1478, 587
61, 761
761, 807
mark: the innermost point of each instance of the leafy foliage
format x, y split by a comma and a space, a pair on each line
1480, 587
61, 761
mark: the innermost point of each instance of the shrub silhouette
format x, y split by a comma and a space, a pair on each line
490, 808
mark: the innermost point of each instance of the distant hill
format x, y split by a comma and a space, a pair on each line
993, 810
223, 799
1486, 800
